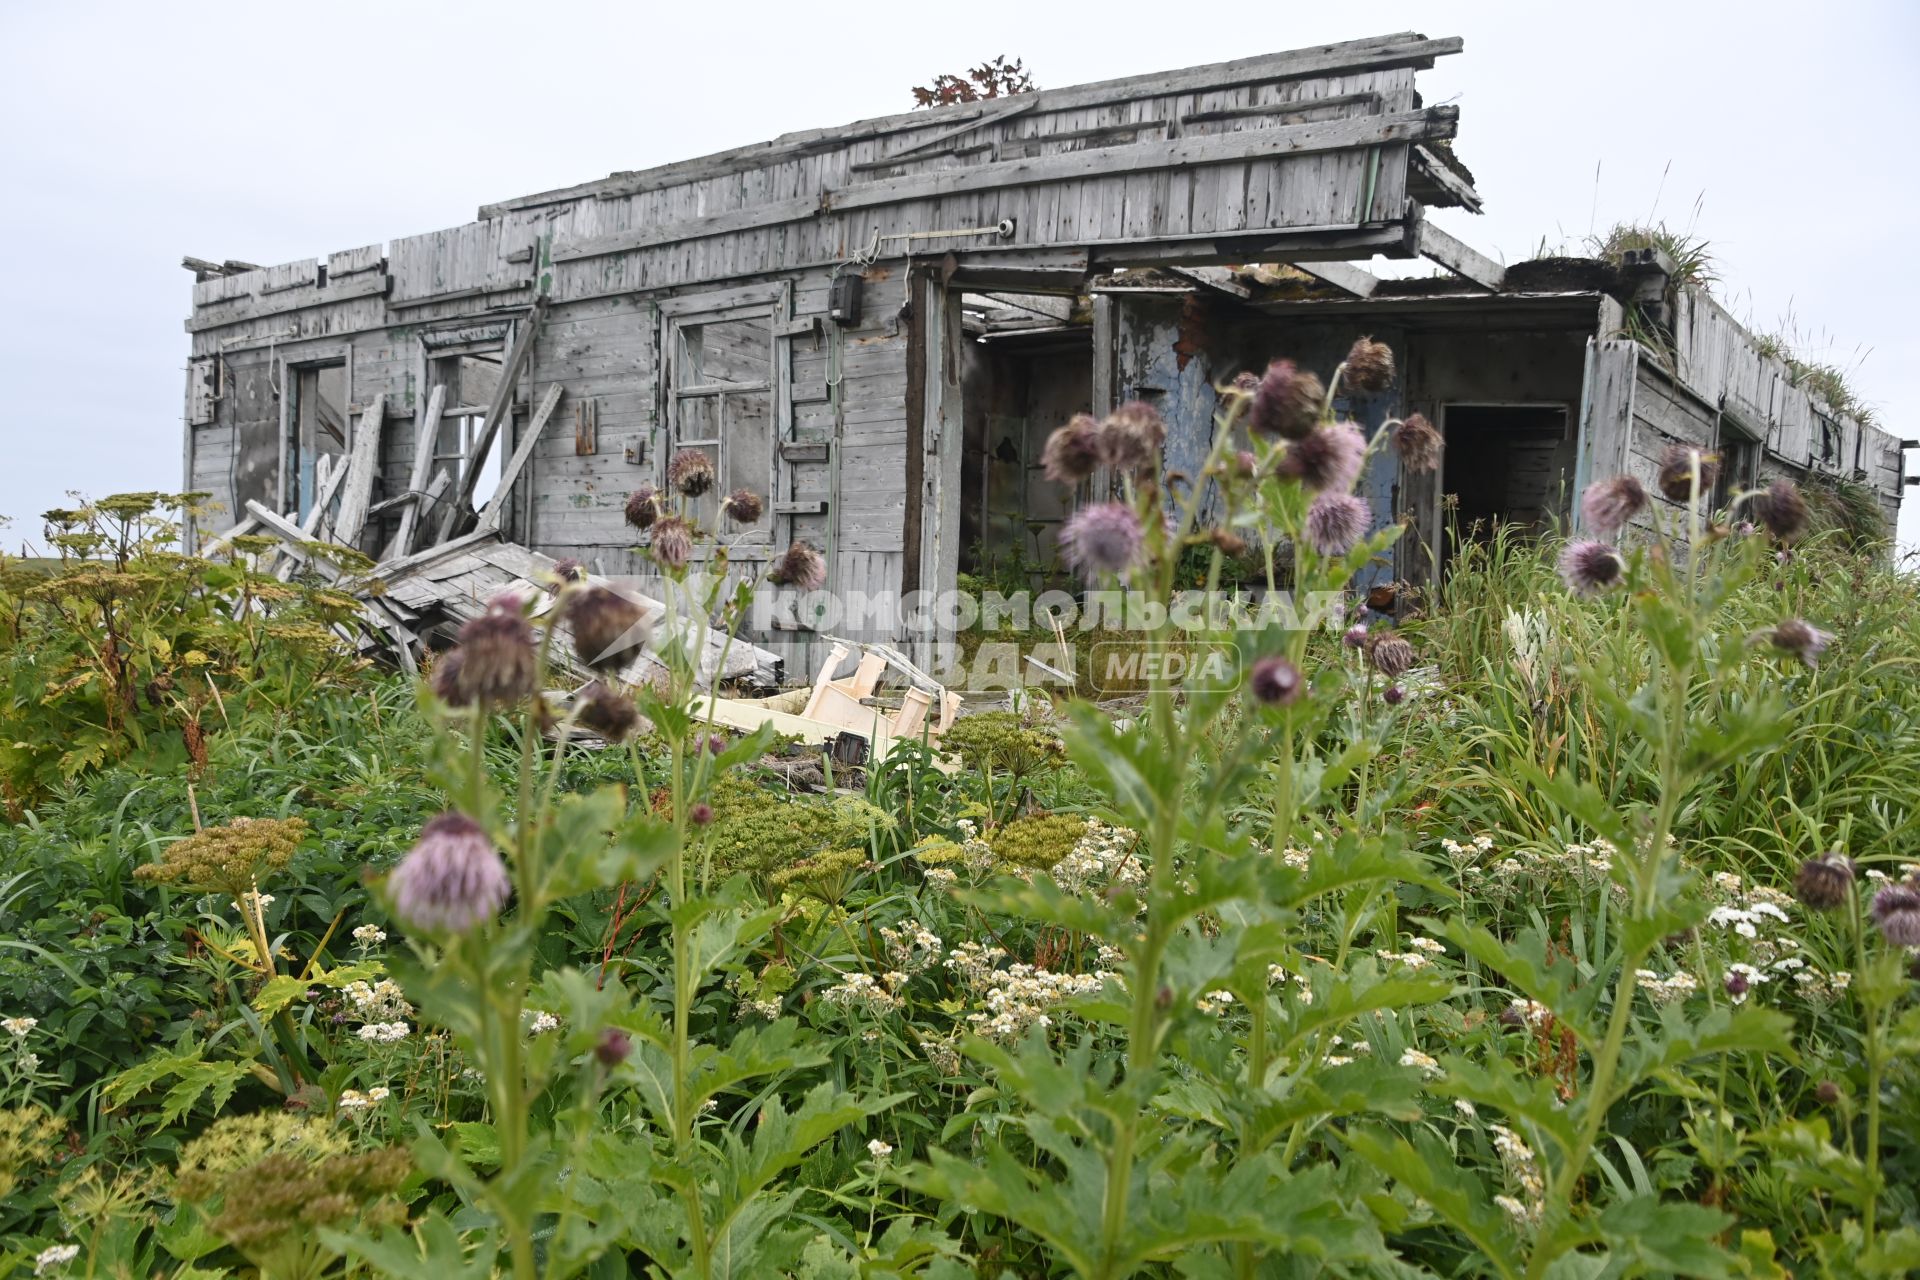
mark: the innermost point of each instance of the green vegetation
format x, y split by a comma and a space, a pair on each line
1530, 960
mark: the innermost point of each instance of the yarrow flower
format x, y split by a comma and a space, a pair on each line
1369, 366
1607, 505
607, 627
1896, 910
1677, 465
54, 1256
1275, 681
383, 1032
690, 473
369, 935
1336, 522
1327, 459
1073, 452
452, 881
879, 1150
1287, 402
801, 566
1589, 567
1417, 443
1103, 538
18, 1027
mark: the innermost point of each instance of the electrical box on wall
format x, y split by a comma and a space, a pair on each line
843, 303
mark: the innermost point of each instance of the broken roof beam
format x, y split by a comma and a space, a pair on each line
1341, 275
1219, 279
1457, 256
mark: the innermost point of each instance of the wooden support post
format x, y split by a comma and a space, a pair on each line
426, 433
1341, 275
1458, 257
363, 460
497, 505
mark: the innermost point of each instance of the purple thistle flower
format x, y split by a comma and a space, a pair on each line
1782, 510
801, 566
1609, 504
446, 679
1676, 472
690, 472
643, 507
1287, 402
1394, 695
607, 627
1737, 984
452, 881
743, 506
1391, 655
1132, 436
1336, 522
564, 572
701, 814
1072, 452
1275, 681
1823, 882
1326, 460
1896, 910
672, 544
1103, 538
1801, 639
606, 712
1589, 567
497, 661
1418, 443
1369, 367
1356, 636
613, 1047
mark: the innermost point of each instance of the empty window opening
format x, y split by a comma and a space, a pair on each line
319, 428
1017, 388
1505, 466
722, 406
471, 380
1739, 465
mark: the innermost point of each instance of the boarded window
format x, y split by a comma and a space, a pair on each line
723, 405
319, 427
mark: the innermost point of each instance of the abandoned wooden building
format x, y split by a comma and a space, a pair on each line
878, 324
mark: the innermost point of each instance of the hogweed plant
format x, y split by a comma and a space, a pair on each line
657, 1140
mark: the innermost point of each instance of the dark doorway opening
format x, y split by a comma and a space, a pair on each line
1505, 465
1017, 388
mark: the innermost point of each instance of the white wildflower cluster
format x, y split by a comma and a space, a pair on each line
54, 1258
1416, 960
354, 1100
912, 948
1302, 988
1341, 1052
1466, 855
1214, 1001
1466, 1109
1741, 981
1016, 997
369, 936
859, 992
383, 1032
1427, 1065
252, 898
1103, 856
381, 1001
539, 1021
1668, 990
1751, 916
943, 1055
880, 1151
18, 1027
975, 854
1522, 1168
1524, 870
1529, 1013
753, 1000
942, 878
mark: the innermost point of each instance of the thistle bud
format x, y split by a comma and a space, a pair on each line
690, 473
1823, 882
1896, 910
1677, 464
672, 544
608, 628
497, 663
1275, 681
643, 507
613, 1047
1073, 452
743, 506
1391, 655
1287, 402
452, 881
801, 566
1417, 443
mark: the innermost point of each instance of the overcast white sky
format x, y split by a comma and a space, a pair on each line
135, 132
